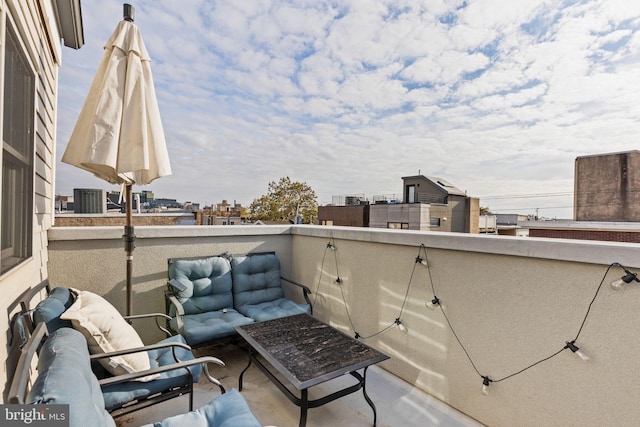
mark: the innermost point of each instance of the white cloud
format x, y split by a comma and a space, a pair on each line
497, 97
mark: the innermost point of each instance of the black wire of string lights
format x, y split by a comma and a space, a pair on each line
571, 345
397, 322
437, 303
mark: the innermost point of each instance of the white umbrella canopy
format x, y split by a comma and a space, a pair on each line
118, 136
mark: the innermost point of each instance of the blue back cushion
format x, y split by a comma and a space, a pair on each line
65, 377
50, 309
208, 282
256, 279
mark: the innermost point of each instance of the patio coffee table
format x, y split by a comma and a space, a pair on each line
307, 352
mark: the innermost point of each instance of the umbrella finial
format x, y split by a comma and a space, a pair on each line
128, 12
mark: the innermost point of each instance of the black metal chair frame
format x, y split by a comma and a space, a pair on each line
143, 402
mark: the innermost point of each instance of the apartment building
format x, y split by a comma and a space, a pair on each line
429, 204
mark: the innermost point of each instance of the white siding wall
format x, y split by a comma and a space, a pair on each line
42, 43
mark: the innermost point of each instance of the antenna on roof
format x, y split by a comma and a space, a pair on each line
128, 12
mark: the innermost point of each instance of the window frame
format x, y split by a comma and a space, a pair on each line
17, 204
411, 194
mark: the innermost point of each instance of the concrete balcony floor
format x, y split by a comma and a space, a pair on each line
398, 403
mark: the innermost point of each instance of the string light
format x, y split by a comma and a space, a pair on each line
331, 246
576, 350
486, 382
435, 302
624, 280
401, 326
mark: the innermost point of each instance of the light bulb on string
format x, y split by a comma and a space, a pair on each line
486, 382
339, 281
420, 260
624, 280
331, 246
401, 326
433, 303
576, 350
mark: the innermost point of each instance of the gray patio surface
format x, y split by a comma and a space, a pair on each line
399, 404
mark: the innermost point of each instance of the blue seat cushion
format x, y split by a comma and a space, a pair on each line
65, 377
227, 410
202, 327
275, 309
49, 309
116, 395
257, 288
256, 279
207, 281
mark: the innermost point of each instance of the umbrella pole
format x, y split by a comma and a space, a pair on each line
129, 238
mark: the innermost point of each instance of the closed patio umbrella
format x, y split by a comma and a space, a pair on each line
118, 136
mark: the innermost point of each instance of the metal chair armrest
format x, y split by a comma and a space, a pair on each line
204, 360
179, 312
21, 380
305, 290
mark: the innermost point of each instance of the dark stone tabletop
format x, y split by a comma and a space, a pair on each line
308, 349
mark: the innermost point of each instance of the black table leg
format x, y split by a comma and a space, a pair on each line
304, 407
366, 397
245, 370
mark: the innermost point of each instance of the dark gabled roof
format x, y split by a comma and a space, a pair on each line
441, 183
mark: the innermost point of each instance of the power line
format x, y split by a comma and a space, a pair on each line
580, 205
534, 208
526, 196
558, 194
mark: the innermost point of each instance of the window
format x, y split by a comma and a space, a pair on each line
411, 194
398, 225
17, 155
434, 222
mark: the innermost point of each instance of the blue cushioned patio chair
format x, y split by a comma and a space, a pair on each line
200, 299
64, 355
257, 288
171, 358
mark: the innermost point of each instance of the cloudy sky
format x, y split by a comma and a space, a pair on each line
496, 96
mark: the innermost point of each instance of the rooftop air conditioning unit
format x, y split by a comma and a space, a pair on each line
351, 200
89, 201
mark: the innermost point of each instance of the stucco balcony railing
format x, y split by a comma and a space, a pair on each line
510, 301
